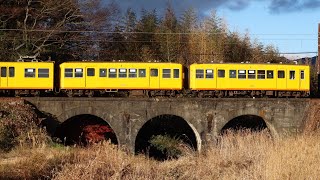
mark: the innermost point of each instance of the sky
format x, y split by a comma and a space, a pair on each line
291, 30
289, 25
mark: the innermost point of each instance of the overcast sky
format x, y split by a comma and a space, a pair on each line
273, 6
290, 25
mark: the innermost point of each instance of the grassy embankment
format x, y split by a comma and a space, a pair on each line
237, 156
250, 156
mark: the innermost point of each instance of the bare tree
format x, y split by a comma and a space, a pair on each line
34, 26
45, 27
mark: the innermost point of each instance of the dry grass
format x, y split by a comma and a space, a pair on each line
237, 156
36, 163
249, 156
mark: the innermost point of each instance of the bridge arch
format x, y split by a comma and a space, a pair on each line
85, 128
166, 125
250, 122
102, 113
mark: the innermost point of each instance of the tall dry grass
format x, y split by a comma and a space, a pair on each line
235, 156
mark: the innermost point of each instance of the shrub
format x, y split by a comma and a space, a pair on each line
19, 124
171, 147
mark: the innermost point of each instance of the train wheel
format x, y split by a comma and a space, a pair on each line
125, 94
70, 93
91, 93
146, 93
36, 93
173, 94
252, 94
17, 93
220, 94
230, 93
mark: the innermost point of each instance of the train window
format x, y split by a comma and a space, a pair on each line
43, 73
3, 71
29, 72
68, 72
90, 72
292, 74
221, 73
112, 73
166, 73
132, 73
270, 74
302, 74
242, 74
103, 73
251, 74
199, 73
281, 74
209, 73
233, 74
176, 73
122, 73
142, 72
154, 72
11, 71
261, 74
78, 72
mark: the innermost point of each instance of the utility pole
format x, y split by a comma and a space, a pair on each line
318, 59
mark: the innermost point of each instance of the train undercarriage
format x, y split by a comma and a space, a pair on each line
248, 93
187, 93
157, 93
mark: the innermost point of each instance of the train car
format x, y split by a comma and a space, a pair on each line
26, 77
86, 78
275, 80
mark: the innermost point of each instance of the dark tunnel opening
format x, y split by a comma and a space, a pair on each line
170, 126
85, 129
250, 123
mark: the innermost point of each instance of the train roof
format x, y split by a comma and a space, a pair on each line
19, 62
120, 62
271, 64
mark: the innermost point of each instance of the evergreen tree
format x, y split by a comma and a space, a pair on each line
188, 24
168, 36
129, 23
146, 28
214, 37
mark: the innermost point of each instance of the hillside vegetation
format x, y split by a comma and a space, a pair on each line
66, 30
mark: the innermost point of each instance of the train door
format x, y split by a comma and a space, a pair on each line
303, 84
222, 81
90, 77
4, 77
154, 81
293, 82
281, 79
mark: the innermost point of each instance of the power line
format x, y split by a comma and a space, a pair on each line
136, 41
286, 39
161, 33
308, 52
103, 32
157, 54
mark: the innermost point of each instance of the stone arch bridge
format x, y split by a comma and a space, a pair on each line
201, 120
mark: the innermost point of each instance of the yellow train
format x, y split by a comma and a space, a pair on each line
26, 77
116, 78
155, 79
250, 79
